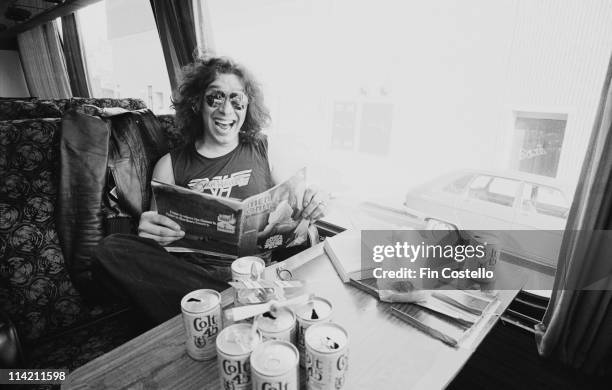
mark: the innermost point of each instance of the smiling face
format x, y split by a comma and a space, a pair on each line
224, 108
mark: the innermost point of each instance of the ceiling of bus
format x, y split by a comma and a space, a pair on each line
18, 9
19, 15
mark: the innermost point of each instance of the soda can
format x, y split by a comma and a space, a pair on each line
326, 356
234, 346
242, 266
274, 366
484, 265
315, 311
202, 318
279, 325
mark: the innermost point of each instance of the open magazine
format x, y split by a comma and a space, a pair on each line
229, 227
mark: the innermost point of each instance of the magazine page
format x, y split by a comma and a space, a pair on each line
211, 223
227, 226
274, 218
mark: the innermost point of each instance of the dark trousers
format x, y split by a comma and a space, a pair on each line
139, 271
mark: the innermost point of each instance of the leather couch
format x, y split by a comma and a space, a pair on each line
39, 304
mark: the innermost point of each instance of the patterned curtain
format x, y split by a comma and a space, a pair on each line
577, 326
175, 25
75, 62
43, 62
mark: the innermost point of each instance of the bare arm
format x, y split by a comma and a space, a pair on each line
152, 225
163, 172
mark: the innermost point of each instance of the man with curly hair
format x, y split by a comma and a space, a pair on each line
220, 106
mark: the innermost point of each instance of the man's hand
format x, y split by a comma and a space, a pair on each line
314, 204
159, 228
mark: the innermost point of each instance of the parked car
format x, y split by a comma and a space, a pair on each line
534, 208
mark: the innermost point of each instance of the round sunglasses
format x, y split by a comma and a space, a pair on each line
216, 98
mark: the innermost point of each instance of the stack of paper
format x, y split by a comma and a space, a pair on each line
445, 331
447, 315
464, 301
344, 251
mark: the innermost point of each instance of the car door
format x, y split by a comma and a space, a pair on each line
542, 210
489, 203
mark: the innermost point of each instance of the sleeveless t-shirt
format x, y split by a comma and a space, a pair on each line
243, 172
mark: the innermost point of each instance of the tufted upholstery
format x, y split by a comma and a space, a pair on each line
60, 330
35, 108
24, 109
35, 288
171, 131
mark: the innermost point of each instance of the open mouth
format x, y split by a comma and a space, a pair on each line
223, 124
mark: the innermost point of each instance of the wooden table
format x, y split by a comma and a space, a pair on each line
385, 353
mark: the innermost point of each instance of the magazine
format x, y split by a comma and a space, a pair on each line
229, 227
436, 316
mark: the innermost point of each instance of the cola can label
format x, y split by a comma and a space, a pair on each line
279, 325
326, 357
234, 346
202, 318
315, 311
274, 366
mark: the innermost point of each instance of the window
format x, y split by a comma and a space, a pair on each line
544, 200
480, 183
496, 190
388, 93
459, 185
538, 142
378, 98
123, 54
503, 191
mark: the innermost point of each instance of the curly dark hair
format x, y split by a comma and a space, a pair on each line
197, 76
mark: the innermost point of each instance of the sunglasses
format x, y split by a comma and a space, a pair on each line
215, 99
